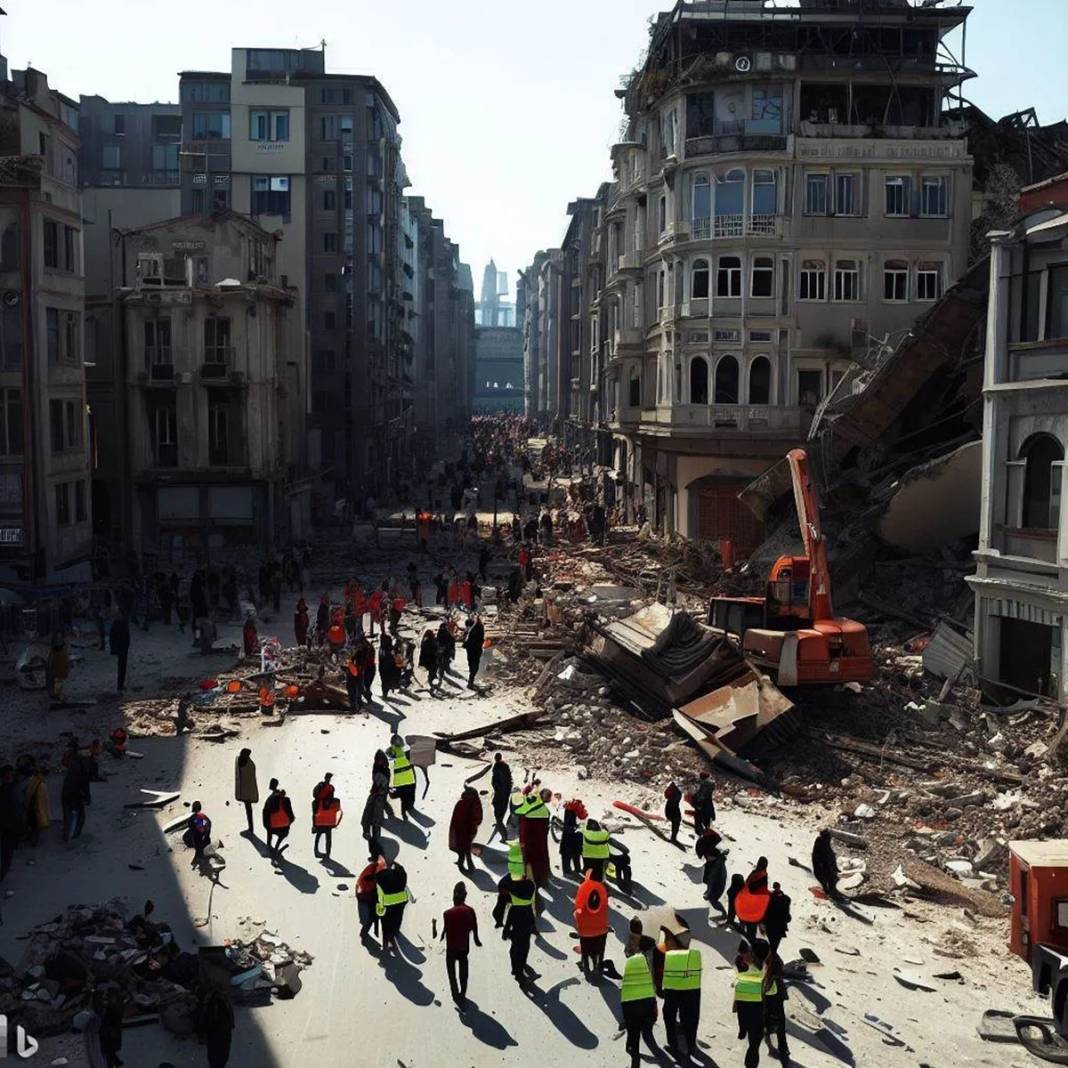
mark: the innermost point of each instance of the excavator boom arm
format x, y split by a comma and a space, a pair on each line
806, 500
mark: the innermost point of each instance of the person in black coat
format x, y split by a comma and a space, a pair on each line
777, 918
474, 639
825, 865
120, 647
501, 781
428, 657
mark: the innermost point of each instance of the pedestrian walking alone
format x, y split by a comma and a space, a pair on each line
715, 872
277, 819
120, 648
501, 782
459, 925
672, 809
466, 819
326, 813
392, 896
474, 640
246, 790
403, 774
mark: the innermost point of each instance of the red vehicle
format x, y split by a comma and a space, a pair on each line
792, 632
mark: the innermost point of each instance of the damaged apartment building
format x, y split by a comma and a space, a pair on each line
209, 362
788, 197
1021, 581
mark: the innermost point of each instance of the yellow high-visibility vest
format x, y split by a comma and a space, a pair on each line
403, 772
594, 844
386, 900
637, 980
749, 985
682, 969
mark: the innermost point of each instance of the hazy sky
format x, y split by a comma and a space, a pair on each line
507, 106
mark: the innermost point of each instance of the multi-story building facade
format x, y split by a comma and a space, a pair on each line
316, 156
1021, 584
498, 369
45, 520
214, 397
787, 191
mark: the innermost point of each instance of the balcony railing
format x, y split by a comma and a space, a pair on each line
733, 226
160, 365
728, 417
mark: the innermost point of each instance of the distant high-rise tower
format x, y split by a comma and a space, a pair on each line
491, 310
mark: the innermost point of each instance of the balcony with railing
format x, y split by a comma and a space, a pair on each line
729, 418
218, 363
159, 362
720, 227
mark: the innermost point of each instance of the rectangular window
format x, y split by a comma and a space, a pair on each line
268, 125
765, 193
845, 194
166, 436
816, 194
928, 281
933, 196
70, 249
73, 425
80, 514
762, 282
217, 340
329, 200
52, 333
767, 110
327, 128
346, 164
328, 95
813, 280
700, 115
896, 280
211, 125
51, 243
344, 125
55, 424
809, 388
270, 196
729, 277
898, 195
62, 491
158, 344
11, 428
846, 280
119, 123
329, 242
111, 157
71, 341
328, 164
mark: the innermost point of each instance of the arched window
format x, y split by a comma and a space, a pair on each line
1042, 482
698, 380
760, 381
634, 388
727, 381
730, 194
699, 280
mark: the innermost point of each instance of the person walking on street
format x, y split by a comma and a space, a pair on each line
301, 622
374, 808
534, 834
591, 922
403, 783
391, 885
365, 654
326, 813
466, 819
388, 673
474, 639
595, 848
12, 817
704, 807
367, 897
120, 647
681, 984
74, 794
501, 783
246, 790
354, 681
38, 809
825, 865
749, 991
775, 997
215, 1022
673, 810
428, 658
458, 926
715, 873
777, 918
277, 819
571, 838
520, 924
637, 994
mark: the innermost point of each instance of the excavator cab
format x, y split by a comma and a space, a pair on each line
787, 591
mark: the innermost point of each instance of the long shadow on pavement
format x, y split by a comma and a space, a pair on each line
485, 1028
559, 1015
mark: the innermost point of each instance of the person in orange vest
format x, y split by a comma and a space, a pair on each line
467, 598
326, 812
751, 902
397, 605
374, 607
277, 819
423, 530
266, 696
353, 680
249, 636
591, 922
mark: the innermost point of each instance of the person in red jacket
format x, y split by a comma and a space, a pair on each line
301, 622
534, 835
250, 637
466, 819
367, 895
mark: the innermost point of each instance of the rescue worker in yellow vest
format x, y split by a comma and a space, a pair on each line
517, 869
520, 925
637, 994
595, 850
749, 998
681, 985
391, 887
403, 783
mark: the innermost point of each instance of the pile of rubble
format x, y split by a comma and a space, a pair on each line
89, 947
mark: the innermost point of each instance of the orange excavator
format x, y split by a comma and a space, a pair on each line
792, 632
